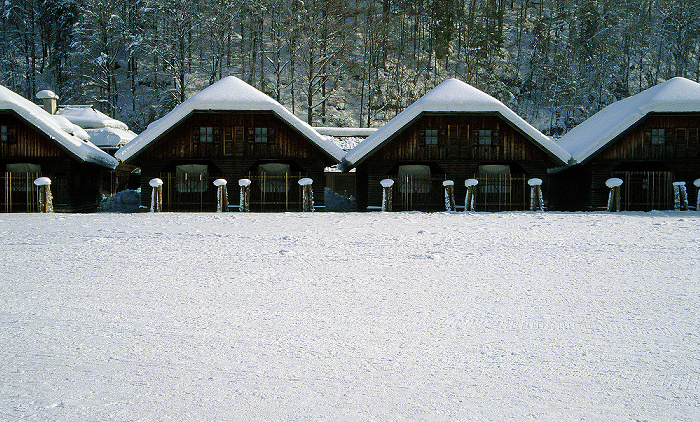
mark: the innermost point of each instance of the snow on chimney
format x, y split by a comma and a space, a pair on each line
50, 100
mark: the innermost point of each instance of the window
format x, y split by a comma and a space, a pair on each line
192, 177
274, 177
431, 137
7, 135
487, 137
261, 135
209, 135
414, 179
658, 136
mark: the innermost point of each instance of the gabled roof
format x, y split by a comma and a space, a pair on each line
677, 95
71, 137
230, 93
451, 96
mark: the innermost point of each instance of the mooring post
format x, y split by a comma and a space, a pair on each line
308, 194
244, 204
156, 195
536, 200
386, 194
45, 197
469, 201
221, 195
697, 185
449, 195
614, 197
680, 195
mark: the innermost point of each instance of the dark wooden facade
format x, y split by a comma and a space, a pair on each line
76, 186
456, 155
659, 150
233, 151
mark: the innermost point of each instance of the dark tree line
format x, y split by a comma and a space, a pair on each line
349, 62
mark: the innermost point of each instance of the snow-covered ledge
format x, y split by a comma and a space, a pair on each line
45, 197
386, 194
221, 195
307, 194
156, 195
469, 200
244, 204
449, 186
614, 184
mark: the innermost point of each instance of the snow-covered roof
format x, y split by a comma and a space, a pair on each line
230, 93
87, 117
451, 96
66, 134
677, 95
346, 132
104, 131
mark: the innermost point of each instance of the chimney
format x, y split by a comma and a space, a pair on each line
50, 100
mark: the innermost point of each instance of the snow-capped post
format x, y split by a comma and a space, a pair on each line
45, 197
469, 199
614, 197
307, 194
536, 200
697, 185
221, 195
245, 195
680, 195
449, 195
156, 195
386, 194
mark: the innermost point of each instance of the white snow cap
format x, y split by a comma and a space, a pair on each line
678, 183
387, 183
220, 182
471, 182
697, 183
87, 117
46, 94
613, 182
534, 182
448, 183
156, 182
42, 181
69, 136
230, 93
244, 182
305, 181
451, 96
677, 95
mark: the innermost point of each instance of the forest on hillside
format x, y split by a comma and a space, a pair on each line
348, 62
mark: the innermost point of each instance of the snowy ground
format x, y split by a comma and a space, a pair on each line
403, 316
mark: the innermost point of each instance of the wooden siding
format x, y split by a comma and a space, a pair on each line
633, 152
457, 155
27, 142
235, 154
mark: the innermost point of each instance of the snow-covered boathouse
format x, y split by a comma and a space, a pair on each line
35, 143
648, 140
233, 131
454, 132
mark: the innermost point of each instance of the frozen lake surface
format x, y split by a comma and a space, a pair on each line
393, 316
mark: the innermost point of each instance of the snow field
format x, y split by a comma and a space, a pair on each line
357, 316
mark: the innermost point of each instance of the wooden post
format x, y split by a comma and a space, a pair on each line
45, 197
244, 204
614, 198
471, 190
221, 195
536, 200
386, 194
449, 195
308, 194
697, 185
680, 194
156, 195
